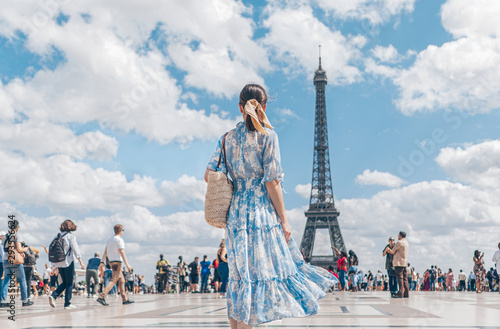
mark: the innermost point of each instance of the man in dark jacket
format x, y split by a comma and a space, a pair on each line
391, 273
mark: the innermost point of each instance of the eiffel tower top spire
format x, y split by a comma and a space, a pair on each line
319, 57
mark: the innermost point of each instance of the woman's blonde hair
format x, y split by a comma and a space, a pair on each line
222, 244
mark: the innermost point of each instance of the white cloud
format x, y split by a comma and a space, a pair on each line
477, 164
386, 54
108, 76
385, 71
60, 183
287, 112
186, 189
37, 139
463, 18
375, 11
468, 82
294, 33
462, 73
379, 178
204, 66
304, 190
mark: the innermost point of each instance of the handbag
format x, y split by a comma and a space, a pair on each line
219, 193
14, 257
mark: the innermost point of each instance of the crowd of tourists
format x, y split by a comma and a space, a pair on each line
399, 270
105, 275
196, 277
58, 279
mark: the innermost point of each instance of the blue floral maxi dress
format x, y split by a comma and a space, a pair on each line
268, 278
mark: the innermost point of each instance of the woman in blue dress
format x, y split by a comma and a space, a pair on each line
268, 278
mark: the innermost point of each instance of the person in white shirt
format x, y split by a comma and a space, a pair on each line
46, 278
67, 266
462, 278
380, 284
496, 259
115, 252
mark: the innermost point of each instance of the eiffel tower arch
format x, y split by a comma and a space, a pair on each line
322, 213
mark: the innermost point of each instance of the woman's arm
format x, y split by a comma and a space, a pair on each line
276, 193
20, 248
103, 259
222, 254
336, 251
76, 250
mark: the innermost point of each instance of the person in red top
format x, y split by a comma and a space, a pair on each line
217, 279
341, 266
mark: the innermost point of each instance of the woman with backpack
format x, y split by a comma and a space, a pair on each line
63, 251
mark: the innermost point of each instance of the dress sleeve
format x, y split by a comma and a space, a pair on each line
215, 157
272, 159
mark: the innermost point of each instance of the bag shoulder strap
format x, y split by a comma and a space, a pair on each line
223, 151
62, 245
7, 238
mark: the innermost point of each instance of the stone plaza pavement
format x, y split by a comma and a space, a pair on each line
338, 310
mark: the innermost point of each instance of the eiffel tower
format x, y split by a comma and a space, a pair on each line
322, 213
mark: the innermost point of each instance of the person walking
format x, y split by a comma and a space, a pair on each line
400, 262
216, 278
341, 267
91, 273
181, 268
479, 270
46, 279
391, 272
205, 273
13, 240
223, 268
2, 252
353, 270
268, 278
194, 274
161, 265
115, 252
450, 277
66, 267
413, 285
461, 280
496, 259
54, 278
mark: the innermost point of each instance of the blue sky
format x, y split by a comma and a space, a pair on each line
110, 118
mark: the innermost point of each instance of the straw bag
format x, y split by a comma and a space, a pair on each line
219, 193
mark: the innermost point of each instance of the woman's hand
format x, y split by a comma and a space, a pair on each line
286, 230
205, 177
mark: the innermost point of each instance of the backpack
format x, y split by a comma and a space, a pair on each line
56, 249
433, 275
30, 257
